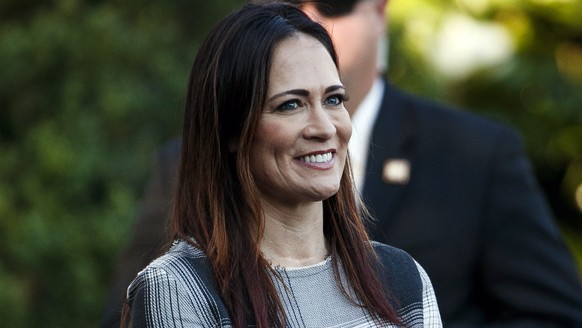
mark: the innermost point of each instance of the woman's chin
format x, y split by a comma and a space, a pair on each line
323, 193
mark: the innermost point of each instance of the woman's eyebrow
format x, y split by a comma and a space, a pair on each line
303, 92
334, 88
297, 92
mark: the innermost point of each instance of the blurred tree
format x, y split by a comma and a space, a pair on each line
89, 89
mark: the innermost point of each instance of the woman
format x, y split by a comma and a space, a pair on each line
266, 226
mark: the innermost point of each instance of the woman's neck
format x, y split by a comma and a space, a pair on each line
294, 238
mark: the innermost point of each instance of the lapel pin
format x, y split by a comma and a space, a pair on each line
396, 171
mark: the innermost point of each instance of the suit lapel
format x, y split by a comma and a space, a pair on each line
392, 148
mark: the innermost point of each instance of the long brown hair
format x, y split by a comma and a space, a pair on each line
217, 206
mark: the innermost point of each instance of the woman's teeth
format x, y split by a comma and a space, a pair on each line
319, 158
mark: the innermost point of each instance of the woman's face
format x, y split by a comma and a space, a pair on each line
300, 146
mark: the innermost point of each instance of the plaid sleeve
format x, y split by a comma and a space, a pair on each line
431, 314
160, 298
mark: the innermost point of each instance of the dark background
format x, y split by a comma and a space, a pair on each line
90, 89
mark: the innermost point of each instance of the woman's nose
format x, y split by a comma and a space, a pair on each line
320, 124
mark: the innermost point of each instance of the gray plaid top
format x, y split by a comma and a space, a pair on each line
177, 290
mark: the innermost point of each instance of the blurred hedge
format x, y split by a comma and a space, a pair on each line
90, 89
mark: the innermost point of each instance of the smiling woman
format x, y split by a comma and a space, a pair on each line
301, 139
266, 226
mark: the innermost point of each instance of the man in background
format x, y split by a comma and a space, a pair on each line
454, 190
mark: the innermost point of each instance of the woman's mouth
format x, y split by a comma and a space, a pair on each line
319, 158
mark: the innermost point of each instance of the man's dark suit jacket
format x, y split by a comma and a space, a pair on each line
471, 214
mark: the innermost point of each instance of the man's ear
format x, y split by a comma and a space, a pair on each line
381, 12
311, 10
381, 6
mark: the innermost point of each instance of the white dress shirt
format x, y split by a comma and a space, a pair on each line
362, 124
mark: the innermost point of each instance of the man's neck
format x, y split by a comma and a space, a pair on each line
357, 91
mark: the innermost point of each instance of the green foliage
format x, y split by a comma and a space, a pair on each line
89, 89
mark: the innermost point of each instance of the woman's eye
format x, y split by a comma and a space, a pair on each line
289, 105
335, 100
